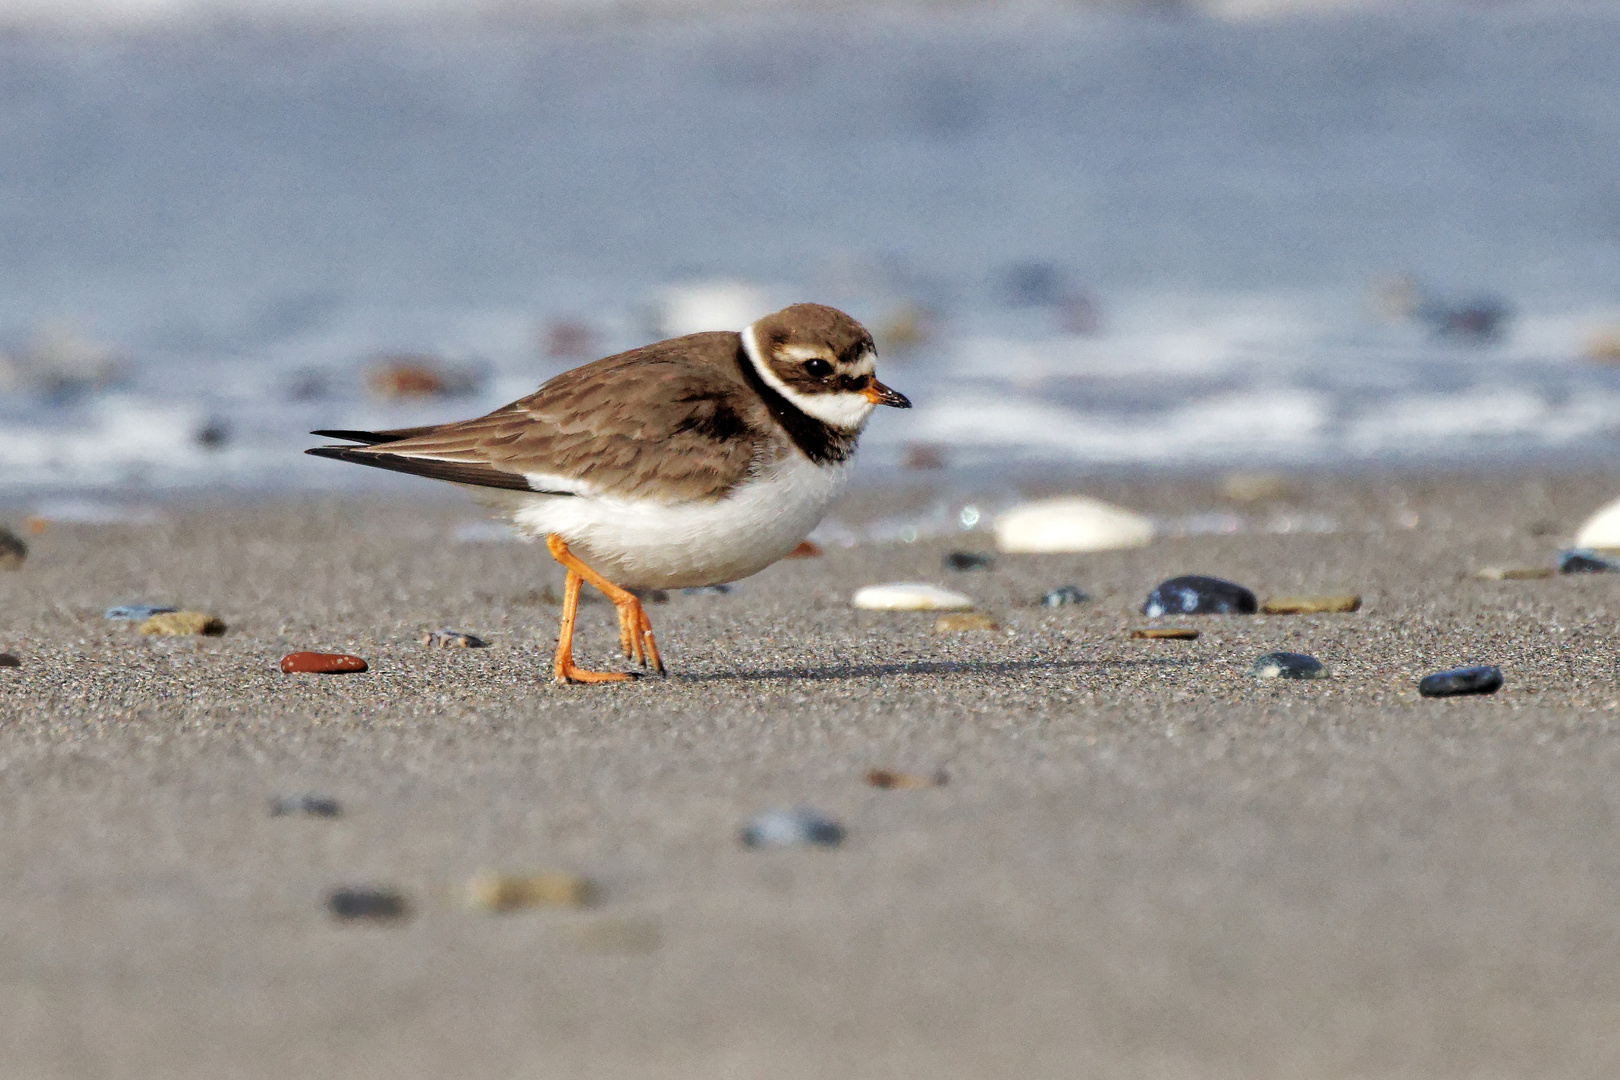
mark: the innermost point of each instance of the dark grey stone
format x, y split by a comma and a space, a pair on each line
787, 828
367, 903
1586, 561
1193, 594
312, 805
136, 612
1467, 680
1289, 665
12, 550
1064, 595
969, 560
7, 660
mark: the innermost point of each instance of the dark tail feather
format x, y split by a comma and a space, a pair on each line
456, 472
373, 438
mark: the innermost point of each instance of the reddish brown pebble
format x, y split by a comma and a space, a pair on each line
807, 549
891, 780
1166, 633
317, 663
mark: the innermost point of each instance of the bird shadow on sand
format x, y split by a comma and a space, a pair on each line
1002, 668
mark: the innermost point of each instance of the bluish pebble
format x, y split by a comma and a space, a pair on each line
787, 828
136, 612
968, 560
367, 903
1586, 561
707, 590
1064, 595
1468, 680
1289, 665
1193, 594
313, 805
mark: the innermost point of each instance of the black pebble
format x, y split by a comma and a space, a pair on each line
1064, 595
313, 805
1289, 665
786, 828
968, 560
1193, 594
7, 660
1468, 680
1583, 561
367, 904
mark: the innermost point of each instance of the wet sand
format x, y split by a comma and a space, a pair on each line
1144, 863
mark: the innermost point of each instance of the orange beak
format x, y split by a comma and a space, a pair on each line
878, 394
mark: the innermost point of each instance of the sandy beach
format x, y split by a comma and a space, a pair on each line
1144, 863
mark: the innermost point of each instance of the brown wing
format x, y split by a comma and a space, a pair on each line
673, 421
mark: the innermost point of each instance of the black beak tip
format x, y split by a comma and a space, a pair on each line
898, 400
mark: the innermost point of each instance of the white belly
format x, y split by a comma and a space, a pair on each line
679, 545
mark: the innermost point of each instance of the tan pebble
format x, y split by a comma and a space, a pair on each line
178, 623
1246, 487
619, 936
509, 892
888, 779
972, 620
1310, 605
1515, 573
1166, 633
453, 639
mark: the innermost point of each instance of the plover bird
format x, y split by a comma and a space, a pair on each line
693, 461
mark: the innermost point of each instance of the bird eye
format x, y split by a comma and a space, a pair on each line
818, 368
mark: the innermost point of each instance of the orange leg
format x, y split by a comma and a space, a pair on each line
635, 629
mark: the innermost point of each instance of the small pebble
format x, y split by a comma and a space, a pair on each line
787, 828
1586, 561
1514, 573
1063, 596
1073, 523
969, 560
1310, 605
453, 639
1289, 665
890, 780
1166, 633
1468, 680
181, 623
136, 612
366, 903
7, 660
308, 805
807, 549
967, 620
506, 892
314, 663
12, 550
707, 590
911, 596
1194, 594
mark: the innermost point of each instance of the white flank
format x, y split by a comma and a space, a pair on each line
1602, 531
846, 411
678, 545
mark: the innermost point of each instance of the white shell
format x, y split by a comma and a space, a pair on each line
1074, 523
910, 596
1602, 530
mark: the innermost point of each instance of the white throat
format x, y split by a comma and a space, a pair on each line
846, 411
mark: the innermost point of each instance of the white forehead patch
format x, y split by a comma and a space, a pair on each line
844, 410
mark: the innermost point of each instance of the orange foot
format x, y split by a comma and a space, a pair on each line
635, 630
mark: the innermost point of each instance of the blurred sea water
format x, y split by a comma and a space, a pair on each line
1085, 239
